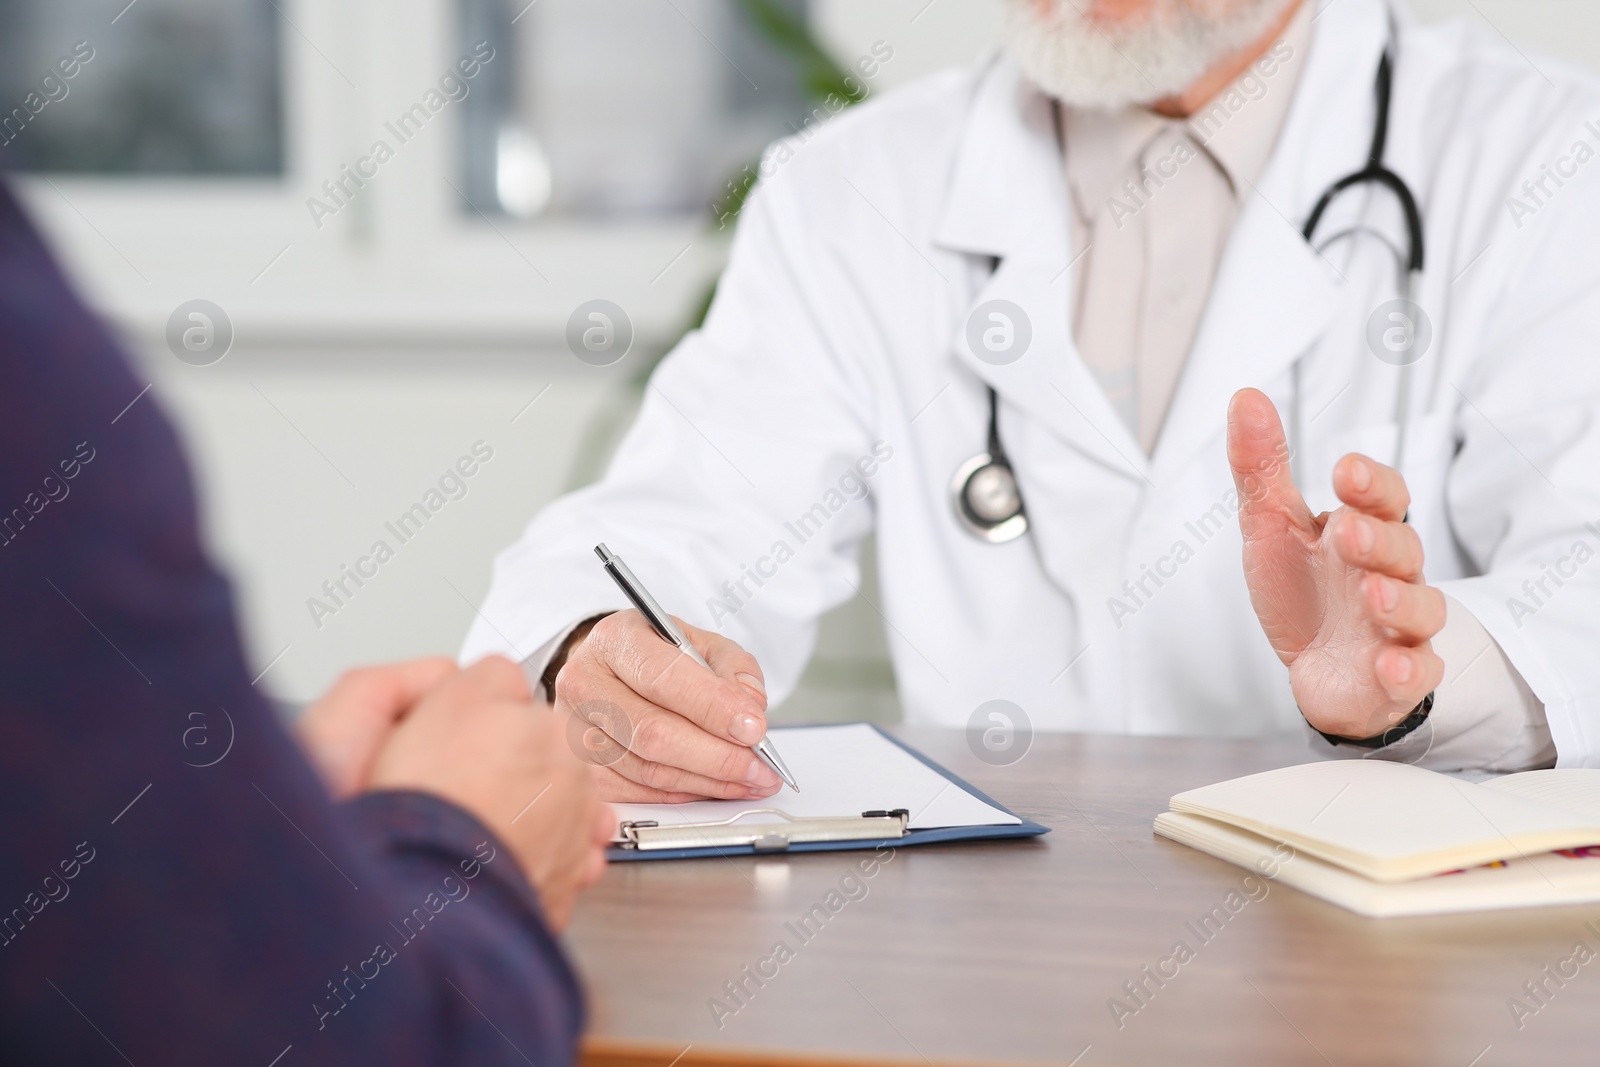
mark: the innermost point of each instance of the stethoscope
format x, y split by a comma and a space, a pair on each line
988, 500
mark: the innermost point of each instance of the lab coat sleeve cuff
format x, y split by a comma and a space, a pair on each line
1536, 660
533, 667
1484, 714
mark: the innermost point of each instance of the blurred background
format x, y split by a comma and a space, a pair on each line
371, 315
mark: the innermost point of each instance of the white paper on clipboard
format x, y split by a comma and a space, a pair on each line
842, 771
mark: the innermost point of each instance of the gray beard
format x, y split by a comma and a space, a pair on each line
1140, 62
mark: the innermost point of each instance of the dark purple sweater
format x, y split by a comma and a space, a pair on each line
175, 885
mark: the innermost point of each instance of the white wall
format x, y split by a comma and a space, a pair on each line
925, 36
1566, 28
305, 454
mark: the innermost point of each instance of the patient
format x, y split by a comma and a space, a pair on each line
176, 883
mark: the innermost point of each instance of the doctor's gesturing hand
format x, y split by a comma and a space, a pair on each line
1340, 595
656, 725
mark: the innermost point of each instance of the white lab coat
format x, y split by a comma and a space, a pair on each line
836, 348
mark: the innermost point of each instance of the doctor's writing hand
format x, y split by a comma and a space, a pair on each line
659, 727
1341, 595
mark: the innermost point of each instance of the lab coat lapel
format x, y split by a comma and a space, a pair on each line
1274, 295
1008, 200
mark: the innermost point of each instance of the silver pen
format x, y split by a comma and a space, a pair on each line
663, 625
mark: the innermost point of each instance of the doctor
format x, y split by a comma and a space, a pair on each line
1054, 331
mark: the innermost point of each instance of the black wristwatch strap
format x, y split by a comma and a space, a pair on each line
1418, 716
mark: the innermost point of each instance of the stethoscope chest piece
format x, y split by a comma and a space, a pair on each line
987, 499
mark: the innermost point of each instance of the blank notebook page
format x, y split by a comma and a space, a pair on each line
842, 770
1576, 790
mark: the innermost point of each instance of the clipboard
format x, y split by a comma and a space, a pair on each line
738, 836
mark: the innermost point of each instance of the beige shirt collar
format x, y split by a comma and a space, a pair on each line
1237, 128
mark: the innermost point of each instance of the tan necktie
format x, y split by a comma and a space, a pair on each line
1154, 243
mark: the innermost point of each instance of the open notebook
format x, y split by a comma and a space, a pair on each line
1391, 839
859, 788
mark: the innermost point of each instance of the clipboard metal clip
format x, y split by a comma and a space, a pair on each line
649, 835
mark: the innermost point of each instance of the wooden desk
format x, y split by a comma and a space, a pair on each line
1008, 952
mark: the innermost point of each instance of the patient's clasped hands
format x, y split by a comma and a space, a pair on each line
476, 738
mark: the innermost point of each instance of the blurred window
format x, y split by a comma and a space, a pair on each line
623, 107
161, 87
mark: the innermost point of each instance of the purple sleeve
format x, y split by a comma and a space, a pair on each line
175, 885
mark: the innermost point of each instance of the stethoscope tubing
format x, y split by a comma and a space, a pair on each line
995, 463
